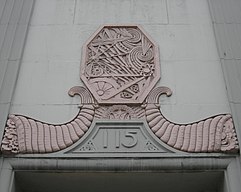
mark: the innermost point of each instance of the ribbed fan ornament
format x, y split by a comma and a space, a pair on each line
120, 68
214, 134
26, 135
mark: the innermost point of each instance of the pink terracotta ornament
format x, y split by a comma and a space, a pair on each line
120, 64
120, 68
214, 134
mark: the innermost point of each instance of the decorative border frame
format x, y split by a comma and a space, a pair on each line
156, 60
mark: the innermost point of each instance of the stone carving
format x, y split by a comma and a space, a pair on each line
119, 112
26, 135
90, 147
151, 147
214, 134
228, 136
120, 65
10, 139
119, 138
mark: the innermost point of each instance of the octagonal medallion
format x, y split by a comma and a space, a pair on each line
120, 64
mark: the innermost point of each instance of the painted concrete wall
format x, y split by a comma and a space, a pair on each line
14, 20
226, 17
190, 64
50, 66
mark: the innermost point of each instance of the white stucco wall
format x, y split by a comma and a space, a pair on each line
183, 30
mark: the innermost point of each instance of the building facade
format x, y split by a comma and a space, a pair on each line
144, 94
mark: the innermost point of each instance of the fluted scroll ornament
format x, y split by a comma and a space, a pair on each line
26, 135
214, 134
120, 67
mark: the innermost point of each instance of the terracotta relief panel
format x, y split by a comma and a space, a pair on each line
213, 134
120, 65
120, 68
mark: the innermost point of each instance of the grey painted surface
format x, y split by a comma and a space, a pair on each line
226, 17
233, 177
14, 20
13, 28
6, 177
182, 29
120, 165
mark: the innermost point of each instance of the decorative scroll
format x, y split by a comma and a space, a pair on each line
215, 134
120, 69
26, 135
121, 65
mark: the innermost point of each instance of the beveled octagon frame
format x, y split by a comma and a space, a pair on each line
147, 89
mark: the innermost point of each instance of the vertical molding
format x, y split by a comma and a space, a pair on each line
226, 18
232, 177
6, 177
14, 21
